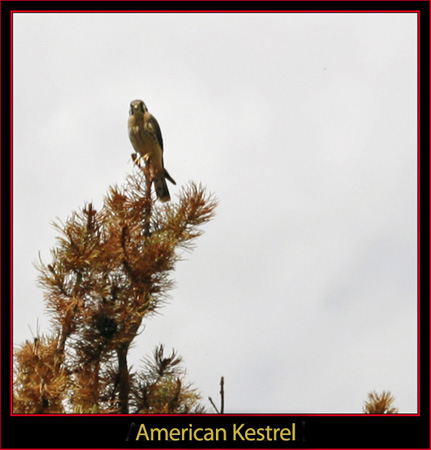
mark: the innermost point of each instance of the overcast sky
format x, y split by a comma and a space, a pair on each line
302, 292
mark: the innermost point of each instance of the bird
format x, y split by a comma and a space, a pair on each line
146, 138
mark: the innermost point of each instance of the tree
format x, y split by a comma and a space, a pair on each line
380, 404
110, 271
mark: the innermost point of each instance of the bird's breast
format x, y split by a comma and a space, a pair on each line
144, 141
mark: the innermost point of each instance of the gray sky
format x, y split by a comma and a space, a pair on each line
302, 292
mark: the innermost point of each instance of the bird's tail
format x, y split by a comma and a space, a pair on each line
161, 188
168, 177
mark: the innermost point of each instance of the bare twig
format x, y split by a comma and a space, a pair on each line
222, 395
213, 404
221, 398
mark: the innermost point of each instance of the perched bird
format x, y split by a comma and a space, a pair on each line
146, 138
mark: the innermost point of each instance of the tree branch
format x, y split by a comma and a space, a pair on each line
123, 379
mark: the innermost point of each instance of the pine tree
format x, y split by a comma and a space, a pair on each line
380, 404
109, 271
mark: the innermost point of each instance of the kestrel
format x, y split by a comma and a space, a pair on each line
146, 138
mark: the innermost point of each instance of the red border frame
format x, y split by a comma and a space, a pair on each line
212, 12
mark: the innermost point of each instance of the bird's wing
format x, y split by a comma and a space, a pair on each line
157, 130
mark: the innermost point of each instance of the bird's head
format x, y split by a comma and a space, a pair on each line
137, 107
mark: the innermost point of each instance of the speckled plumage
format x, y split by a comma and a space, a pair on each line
146, 138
